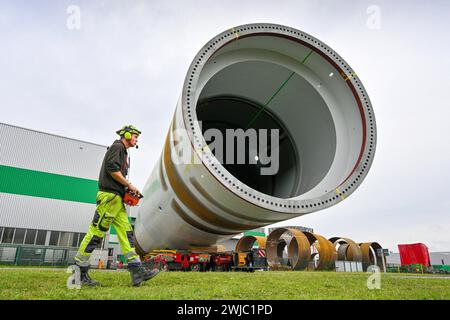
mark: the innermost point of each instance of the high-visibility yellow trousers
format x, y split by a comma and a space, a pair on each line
110, 210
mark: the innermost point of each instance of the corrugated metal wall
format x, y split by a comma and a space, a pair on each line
42, 152
27, 212
39, 151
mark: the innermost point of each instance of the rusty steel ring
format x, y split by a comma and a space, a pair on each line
297, 254
348, 249
246, 243
342, 252
326, 250
299, 250
369, 254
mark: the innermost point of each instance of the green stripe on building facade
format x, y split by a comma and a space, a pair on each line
47, 185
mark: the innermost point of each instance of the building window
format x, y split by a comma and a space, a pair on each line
65, 239
54, 238
8, 235
40, 237
75, 240
30, 237
19, 236
1, 233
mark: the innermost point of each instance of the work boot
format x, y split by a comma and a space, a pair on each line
86, 279
139, 273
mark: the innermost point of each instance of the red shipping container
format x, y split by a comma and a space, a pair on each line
415, 253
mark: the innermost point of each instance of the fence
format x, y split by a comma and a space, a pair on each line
406, 268
418, 268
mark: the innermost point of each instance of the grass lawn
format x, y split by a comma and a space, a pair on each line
28, 283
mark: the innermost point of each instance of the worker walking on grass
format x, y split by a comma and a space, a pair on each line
111, 210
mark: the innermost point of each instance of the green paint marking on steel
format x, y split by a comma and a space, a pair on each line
306, 58
271, 98
47, 185
276, 92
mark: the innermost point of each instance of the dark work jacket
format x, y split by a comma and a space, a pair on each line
115, 160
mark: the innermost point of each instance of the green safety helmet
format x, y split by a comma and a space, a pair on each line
127, 131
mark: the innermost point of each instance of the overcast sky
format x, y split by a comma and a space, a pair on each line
127, 62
